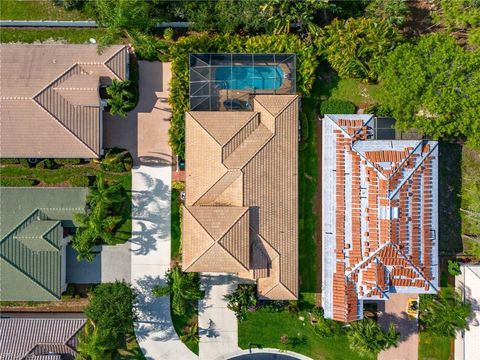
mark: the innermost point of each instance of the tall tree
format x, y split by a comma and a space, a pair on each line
282, 14
357, 48
121, 18
111, 310
433, 87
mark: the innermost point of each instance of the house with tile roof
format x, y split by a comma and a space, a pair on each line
49, 98
379, 214
34, 227
241, 207
39, 339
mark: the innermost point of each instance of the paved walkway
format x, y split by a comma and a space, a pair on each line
144, 134
217, 324
394, 311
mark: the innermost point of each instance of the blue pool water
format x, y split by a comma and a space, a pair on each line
249, 77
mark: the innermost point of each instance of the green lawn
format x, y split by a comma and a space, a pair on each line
72, 36
263, 328
37, 10
353, 90
433, 347
180, 321
307, 183
175, 225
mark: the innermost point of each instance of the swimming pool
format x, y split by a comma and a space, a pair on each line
263, 77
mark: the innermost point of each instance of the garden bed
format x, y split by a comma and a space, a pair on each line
37, 10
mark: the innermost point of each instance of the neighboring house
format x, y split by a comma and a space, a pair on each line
50, 104
241, 207
39, 339
380, 222
34, 227
467, 344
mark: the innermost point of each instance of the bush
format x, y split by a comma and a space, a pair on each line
68, 294
178, 185
168, 34
9, 161
5, 181
116, 160
454, 268
336, 106
243, 298
24, 163
68, 161
79, 181
378, 110
47, 164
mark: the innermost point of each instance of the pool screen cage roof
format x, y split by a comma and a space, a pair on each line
222, 82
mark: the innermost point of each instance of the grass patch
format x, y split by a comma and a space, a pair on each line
433, 347
175, 225
264, 328
37, 10
124, 229
307, 185
71, 36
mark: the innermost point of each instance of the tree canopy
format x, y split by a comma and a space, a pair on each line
366, 337
111, 310
357, 48
433, 87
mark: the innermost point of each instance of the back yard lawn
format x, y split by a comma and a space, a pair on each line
434, 347
71, 36
37, 10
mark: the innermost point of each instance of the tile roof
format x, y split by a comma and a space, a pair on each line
241, 204
31, 237
22, 338
379, 216
50, 92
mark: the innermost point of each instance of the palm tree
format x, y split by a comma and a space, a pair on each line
105, 195
443, 314
182, 286
89, 344
366, 337
243, 298
190, 333
120, 97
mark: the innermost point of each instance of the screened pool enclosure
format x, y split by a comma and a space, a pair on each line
222, 82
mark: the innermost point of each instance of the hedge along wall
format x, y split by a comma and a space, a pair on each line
307, 62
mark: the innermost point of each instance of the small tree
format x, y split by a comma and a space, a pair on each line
454, 268
243, 298
367, 338
90, 345
183, 286
111, 311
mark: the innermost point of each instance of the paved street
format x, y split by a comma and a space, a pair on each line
218, 326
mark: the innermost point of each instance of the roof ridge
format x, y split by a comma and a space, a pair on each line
229, 171
369, 258
15, 229
293, 98
423, 158
231, 227
110, 58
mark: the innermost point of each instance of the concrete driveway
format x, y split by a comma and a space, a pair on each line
144, 132
394, 311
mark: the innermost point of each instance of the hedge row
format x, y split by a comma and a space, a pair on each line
6, 181
307, 62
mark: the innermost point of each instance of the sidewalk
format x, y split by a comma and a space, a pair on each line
218, 327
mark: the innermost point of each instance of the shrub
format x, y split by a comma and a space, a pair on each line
454, 268
243, 298
24, 163
178, 185
168, 34
47, 164
5, 181
9, 161
79, 181
68, 161
116, 160
68, 294
336, 106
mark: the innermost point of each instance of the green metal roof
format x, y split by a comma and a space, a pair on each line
30, 240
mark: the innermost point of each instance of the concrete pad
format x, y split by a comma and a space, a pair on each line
218, 326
